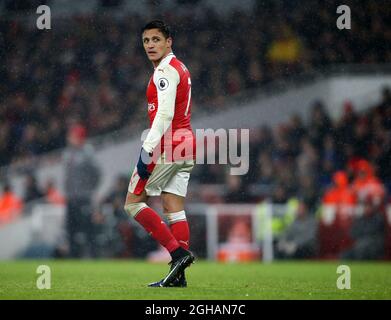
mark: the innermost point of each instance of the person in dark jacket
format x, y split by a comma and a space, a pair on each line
368, 233
32, 190
81, 180
299, 240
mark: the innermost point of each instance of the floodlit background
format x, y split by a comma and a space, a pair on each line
316, 99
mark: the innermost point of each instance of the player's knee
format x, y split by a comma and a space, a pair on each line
166, 207
172, 203
132, 209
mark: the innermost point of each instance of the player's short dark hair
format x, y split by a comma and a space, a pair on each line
160, 25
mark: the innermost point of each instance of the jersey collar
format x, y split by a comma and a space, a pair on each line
166, 60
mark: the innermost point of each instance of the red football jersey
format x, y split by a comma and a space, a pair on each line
172, 72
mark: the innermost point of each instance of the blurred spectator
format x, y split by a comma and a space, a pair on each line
297, 131
32, 191
386, 102
280, 195
286, 48
266, 174
282, 215
309, 191
362, 137
338, 207
53, 195
345, 124
299, 240
238, 245
341, 197
123, 246
10, 205
368, 233
308, 160
285, 51
236, 190
330, 161
81, 179
366, 184
320, 124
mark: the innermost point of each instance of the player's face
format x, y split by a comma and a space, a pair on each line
156, 46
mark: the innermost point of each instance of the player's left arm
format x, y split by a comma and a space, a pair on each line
166, 81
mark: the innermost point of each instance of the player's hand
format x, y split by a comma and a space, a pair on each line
142, 164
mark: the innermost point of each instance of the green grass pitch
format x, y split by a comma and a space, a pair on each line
127, 279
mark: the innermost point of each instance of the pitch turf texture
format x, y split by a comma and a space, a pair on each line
127, 279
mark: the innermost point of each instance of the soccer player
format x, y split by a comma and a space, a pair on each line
167, 154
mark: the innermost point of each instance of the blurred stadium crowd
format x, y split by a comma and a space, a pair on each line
342, 164
92, 69
297, 158
339, 167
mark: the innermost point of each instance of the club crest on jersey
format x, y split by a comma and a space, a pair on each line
162, 84
151, 107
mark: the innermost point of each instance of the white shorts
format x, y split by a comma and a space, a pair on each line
165, 177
